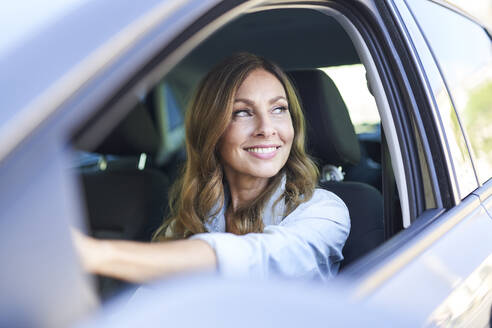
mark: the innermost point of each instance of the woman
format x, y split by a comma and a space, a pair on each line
246, 203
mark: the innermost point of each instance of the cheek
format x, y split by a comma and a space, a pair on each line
287, 132
231, 139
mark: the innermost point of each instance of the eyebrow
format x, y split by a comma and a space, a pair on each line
251, 103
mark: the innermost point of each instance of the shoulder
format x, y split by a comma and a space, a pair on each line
321, 200
323, 205
323, 196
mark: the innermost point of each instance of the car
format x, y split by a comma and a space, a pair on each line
397, 96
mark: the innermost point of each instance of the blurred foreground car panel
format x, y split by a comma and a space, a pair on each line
209, 301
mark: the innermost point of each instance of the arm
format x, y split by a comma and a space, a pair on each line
140, 262
308, 243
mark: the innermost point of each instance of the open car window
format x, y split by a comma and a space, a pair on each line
143, 154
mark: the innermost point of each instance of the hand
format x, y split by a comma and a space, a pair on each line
86, 248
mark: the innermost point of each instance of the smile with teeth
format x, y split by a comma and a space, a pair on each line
262, 150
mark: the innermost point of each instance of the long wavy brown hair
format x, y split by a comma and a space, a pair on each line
194, 197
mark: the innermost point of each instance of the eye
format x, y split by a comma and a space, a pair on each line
279, 109
241, 113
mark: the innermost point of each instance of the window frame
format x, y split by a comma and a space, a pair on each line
401, 80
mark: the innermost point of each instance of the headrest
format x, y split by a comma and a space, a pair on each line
136, 134
330, 132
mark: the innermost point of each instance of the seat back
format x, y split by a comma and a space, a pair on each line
365, 205
126, 198
125, 204
332, 141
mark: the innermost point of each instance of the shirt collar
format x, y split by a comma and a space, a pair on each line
272, 215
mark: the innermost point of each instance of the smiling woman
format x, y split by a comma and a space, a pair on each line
243, 107
246, 203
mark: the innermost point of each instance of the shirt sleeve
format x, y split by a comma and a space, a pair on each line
307, 243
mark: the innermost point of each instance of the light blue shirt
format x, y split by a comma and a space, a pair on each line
305, 244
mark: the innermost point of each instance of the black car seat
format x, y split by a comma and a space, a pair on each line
126, 198
333, 143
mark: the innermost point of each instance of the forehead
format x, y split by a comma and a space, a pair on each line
262, 82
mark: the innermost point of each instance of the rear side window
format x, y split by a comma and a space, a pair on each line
463, 50
352, 84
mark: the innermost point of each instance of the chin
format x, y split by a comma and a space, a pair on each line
264, 176
265, 172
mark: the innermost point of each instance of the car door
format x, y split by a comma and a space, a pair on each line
442, 273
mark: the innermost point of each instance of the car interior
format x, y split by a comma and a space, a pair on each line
125, 179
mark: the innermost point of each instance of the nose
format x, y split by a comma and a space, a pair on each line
265, 127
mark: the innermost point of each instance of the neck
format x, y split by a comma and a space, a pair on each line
244, 189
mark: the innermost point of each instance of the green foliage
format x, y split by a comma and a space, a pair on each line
478, 120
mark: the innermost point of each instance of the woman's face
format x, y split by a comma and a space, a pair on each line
259, 137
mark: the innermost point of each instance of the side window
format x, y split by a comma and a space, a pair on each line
351, 82
170, 119
463, 51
